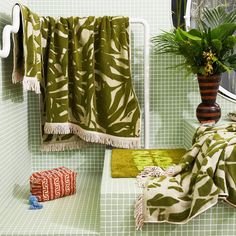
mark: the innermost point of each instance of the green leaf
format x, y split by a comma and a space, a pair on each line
206, 188
223, 31
230, 42
217, 45
199, 203
179, 216
158, 200
195, 32
178, 36
190, 36
151, 210
231, 61
223, 66
178, 189
154, 185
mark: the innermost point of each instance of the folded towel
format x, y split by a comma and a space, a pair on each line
81, 68
205, 174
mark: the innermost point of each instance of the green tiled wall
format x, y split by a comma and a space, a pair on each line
15, 165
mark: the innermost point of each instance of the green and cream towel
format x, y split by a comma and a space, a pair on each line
81, 68
206, 173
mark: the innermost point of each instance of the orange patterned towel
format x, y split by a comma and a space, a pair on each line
51, 184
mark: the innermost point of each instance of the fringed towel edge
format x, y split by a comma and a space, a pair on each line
138, 213
29, 83
153, 171
92, 136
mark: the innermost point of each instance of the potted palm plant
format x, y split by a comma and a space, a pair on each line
207, 51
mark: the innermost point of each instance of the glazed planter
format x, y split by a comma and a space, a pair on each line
208, 111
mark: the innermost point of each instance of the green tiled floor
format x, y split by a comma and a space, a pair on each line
73, 215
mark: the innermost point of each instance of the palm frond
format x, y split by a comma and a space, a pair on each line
231, 61
165, 43
212, 42
217, 16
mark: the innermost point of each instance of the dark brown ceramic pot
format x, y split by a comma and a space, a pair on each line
208, 111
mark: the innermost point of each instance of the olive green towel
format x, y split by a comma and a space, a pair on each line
205, 174
81, 68
129, 163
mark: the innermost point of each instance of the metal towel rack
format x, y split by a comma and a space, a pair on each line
146, 79
14, 28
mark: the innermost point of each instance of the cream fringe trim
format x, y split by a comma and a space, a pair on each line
153, 171
138, 213
31, 83
91, 136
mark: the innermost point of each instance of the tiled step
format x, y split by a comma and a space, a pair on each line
190, 126
72, 215
117, 200
117, 212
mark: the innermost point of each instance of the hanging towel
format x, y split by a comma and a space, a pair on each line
205, 174
81, 68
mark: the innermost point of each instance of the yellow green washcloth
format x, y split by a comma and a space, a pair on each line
128, 163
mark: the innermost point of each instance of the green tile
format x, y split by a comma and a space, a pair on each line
72, 215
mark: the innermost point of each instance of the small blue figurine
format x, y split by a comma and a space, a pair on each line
34, 204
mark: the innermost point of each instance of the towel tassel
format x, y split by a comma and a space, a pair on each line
138, 213
31, 84
92, 136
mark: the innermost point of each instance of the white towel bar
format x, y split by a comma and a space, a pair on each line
14, 28
8, 29
146, 79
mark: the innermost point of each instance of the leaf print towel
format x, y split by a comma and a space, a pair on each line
81, 68
205, 174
